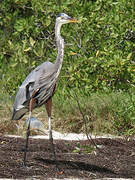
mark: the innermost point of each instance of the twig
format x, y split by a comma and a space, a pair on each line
85, 122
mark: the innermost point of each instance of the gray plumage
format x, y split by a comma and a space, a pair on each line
42, 81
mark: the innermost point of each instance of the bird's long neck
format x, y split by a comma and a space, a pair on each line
60, 45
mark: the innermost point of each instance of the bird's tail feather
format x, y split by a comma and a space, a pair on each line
18, 114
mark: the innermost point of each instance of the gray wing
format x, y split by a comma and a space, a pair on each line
42, 80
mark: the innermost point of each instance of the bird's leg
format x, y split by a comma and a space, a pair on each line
49, 111
31, 105
27, 138
50, 128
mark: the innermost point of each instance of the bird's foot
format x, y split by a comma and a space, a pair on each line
25, 166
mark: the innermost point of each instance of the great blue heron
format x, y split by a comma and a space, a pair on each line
40, 85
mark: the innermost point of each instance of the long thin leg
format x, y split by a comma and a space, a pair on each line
27, 139
49, 110
31, 105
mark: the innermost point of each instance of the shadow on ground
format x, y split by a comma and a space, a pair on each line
115, 160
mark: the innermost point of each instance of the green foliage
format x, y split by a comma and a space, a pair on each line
99, 53
99, 56
85, 149
124, 121
106, 112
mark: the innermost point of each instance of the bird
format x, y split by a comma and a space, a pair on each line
40, 85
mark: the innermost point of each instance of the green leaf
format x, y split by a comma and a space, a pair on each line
32, 42
20, 25
129, 56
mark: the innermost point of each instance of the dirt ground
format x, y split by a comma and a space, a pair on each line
116, 158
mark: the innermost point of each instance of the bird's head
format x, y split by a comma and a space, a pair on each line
63, 18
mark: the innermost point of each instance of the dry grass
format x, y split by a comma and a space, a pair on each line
8, 126
104, 113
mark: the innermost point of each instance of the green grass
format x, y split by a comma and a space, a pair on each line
112, 113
